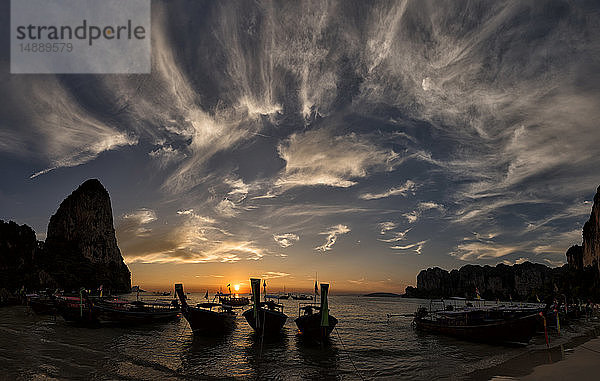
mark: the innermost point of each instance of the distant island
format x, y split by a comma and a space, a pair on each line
579, 279
383, 295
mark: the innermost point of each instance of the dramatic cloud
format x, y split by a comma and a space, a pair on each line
303, 115
286, 240
332, 235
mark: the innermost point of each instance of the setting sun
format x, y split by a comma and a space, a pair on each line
236, 287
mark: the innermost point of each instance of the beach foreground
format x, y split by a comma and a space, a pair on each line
577, 358
582, 363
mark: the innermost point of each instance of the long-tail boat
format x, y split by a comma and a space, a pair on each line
135, 312
264, 317
314, 321
206, 318
493, 325
78, 310
44, 304
233, 301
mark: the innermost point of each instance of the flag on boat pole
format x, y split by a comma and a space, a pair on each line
316, 289
265, 289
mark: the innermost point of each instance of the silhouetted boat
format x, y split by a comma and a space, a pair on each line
233, 301
492, 325
77, 310
43, 304
206, 318
314, 321
302, 297
264, 317
136, 312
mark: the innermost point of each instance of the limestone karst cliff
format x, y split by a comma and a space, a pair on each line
591, 235
81, 246
18, 251
524, 281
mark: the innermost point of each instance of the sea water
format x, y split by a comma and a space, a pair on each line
366, 344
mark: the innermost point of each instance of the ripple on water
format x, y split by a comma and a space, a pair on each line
379, 347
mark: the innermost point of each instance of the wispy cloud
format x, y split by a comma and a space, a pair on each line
274, 275
480, 250
136, 222
413, 216
332, 234
166, 155
416, 247
402, 190
319, 158
286, 239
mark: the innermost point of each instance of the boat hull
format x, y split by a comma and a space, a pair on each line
115, 315
512, 331
271, 322
208, 323
234, 302
78, 315
43, 306
310, 326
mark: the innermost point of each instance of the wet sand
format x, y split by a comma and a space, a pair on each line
578, 359
582, 363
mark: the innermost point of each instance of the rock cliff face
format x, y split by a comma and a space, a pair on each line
81, 246
591, 236
575, 257
18, 249
521, 282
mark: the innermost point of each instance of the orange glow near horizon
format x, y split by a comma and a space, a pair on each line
214, 277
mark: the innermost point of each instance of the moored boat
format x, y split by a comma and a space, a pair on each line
206, 318
493, 325
302, 297
264, 317
232, 300
314, 321
78, 310
43, 304
136, 312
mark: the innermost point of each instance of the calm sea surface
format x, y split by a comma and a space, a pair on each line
366, 345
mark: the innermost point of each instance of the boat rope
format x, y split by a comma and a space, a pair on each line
348, 353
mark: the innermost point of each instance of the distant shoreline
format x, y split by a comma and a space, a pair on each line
383, 295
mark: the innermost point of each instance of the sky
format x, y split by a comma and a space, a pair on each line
357, 142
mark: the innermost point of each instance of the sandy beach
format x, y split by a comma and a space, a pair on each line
581, 363
575, 359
